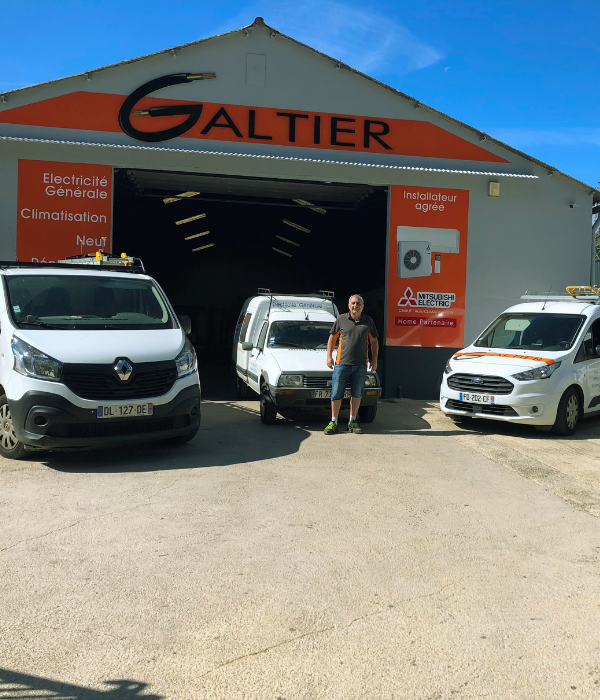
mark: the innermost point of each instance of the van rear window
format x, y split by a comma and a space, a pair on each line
550, 332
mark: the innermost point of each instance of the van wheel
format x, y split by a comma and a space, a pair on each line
268, 409
10, 447
243, 391
568, 414
367, 413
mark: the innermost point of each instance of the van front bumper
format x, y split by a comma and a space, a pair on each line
50, 421
303, 398
532, 408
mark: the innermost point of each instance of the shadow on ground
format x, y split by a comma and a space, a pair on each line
231, 433
24, 687
588, 429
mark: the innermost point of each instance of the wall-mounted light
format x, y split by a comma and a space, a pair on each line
573, 205
191, 218
287, 240
494, 189
88, 77
289, 255
202, 247
300, 228
4, 99
196, 235
174, 53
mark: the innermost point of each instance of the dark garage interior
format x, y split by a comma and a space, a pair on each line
328, 236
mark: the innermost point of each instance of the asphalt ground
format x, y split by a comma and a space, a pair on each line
419, 561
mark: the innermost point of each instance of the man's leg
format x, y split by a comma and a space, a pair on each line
335, 408
339, 380
359, 374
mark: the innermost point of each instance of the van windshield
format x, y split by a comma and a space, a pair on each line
86, 302
551, 332
310, 335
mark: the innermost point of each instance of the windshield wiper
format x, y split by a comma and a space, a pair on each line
43, 324
287, 345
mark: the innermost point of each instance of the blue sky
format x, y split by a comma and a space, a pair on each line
522, 71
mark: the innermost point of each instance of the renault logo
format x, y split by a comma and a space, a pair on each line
329, 382
477, 380
123, 369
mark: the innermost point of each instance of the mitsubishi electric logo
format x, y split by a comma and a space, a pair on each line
429, 300
123, 369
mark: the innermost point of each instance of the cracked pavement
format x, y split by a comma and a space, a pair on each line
419, 560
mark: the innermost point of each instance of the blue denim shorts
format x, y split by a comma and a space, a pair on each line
355, 375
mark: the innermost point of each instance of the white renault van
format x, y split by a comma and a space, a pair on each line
91, 355
280, 353
538, 363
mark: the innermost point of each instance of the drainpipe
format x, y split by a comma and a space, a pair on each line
595, 229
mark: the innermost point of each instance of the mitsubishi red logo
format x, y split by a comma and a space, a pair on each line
408, 299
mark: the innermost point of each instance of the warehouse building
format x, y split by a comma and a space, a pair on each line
250, 160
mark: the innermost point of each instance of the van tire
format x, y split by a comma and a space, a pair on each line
568, 414
268, 409
367, 413
10, 447
243, 391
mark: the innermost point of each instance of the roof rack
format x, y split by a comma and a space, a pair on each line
581, 295
99, 261
323, 294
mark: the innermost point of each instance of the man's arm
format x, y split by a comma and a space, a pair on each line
374, 352
330, 348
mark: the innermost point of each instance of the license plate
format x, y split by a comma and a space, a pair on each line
325, 394
125, 410
478, 398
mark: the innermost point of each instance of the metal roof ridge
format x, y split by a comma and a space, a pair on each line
384, 166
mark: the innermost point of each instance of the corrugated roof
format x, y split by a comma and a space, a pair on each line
259, 21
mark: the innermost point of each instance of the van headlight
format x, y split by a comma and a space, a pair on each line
291, 380
448, 368
186, 360
31, 362
370, 380
537, 373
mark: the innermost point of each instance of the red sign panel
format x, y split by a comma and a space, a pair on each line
427, 266
239, 123
63, 209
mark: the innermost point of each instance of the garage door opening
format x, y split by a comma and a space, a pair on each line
212, 241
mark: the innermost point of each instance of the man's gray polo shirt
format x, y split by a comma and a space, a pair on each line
354, 337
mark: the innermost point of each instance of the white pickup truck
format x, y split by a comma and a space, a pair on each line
280, 353
538, 363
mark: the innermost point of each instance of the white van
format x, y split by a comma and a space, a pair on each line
91, 355
538, 363
280, 353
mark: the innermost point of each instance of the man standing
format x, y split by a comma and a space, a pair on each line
354, 330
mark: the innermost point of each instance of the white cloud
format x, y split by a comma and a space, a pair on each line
569, 136
363, 38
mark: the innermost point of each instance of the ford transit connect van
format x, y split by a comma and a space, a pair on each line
538, 363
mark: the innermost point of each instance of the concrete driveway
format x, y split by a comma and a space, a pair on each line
419, 560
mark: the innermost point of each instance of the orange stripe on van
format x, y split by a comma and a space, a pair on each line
545, 360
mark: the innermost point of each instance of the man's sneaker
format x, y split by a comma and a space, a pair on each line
331, 429
353, 428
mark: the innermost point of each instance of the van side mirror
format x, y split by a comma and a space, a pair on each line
597, 349
247, 346
186, 323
